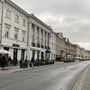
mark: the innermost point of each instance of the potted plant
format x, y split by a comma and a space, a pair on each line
29, 63
23, 64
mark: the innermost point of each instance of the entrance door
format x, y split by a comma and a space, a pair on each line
42, 55
22, 54
33, 54
15, 52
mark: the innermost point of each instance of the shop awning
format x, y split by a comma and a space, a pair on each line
4, 52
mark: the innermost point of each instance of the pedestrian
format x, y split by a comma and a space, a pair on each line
3, 61
9, 61
32, 62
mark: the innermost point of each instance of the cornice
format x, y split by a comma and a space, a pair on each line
41, 22
16, 7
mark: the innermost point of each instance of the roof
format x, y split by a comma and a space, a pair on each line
17, 7
41, 22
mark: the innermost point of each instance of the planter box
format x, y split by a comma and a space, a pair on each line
24, 65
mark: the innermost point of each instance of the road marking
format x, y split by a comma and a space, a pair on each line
80, 81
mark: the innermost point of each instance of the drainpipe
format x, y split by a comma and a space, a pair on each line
1, 23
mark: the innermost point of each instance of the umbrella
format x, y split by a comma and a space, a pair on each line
4, 52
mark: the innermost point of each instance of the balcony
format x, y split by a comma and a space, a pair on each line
33, 44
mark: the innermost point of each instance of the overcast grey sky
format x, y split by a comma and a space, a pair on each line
72, 17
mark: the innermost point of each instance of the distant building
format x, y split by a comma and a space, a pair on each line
70, 49
78, 50
60, 45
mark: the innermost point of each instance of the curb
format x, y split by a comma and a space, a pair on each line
19, 70
79, 82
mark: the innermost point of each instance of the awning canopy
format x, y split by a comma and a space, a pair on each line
4, 52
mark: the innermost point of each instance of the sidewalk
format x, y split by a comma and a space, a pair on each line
83, 82
8, 70
12, 69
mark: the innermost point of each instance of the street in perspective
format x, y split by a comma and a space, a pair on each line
45, 50
61, 76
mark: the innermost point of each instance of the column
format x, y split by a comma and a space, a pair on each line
47, 39
35, 55
29, 34
11, 50
29, 40
40, 55
25, 56
29, 53
44, 38
19, 55
40, 36
35, 35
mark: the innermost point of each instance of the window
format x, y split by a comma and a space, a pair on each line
7, 31
16, 35
24, 22
23, 36
17, 19
8, 14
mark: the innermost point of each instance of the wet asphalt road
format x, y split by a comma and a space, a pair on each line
61, 76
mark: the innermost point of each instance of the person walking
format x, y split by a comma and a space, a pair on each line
9, 61
3, 61
32, 62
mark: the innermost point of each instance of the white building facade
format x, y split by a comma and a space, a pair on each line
24, 35
39, 40
14, 30
53, 45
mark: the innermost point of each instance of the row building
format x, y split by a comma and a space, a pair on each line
26, 36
